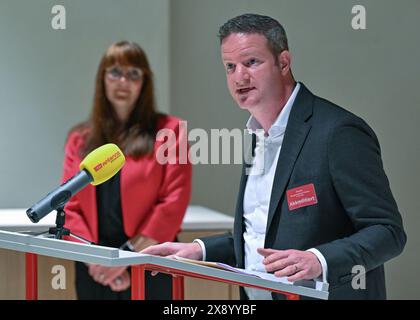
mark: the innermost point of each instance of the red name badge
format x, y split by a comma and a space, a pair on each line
302, 196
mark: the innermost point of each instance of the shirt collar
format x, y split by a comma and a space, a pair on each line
279, 126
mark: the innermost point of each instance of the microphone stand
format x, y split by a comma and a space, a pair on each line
59, 231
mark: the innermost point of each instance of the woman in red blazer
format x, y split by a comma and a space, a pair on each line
145, 202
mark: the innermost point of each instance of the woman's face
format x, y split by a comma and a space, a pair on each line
122, 88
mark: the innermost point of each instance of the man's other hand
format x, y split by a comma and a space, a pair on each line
294, 264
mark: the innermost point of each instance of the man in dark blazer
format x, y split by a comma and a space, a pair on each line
322, 197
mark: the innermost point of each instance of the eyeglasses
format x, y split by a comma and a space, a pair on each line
116, 73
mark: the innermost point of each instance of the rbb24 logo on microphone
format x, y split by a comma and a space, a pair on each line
110, 159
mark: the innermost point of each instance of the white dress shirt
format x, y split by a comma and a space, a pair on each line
258, 193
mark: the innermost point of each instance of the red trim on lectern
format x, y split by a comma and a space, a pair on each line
31, 266
138, 282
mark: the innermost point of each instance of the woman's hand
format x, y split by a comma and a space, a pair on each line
121, 283
105, 275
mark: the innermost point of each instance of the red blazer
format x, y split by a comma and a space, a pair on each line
154, 197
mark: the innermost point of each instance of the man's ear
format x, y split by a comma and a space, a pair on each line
284, 59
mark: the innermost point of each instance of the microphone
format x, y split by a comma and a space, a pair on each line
97, 167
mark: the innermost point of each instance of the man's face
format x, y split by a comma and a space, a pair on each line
253, 77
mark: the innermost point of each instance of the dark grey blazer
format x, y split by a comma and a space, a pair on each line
356, 220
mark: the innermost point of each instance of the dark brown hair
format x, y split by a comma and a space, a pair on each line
136, 136
250, 23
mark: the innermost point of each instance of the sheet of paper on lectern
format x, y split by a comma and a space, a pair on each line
223, 266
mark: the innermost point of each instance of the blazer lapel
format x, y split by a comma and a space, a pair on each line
297, 130
238, 227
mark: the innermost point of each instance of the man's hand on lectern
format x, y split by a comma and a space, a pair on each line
170, 249
294, 264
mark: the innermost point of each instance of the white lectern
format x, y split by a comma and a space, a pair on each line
41, 245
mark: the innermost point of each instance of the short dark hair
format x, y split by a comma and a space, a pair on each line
249, 23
